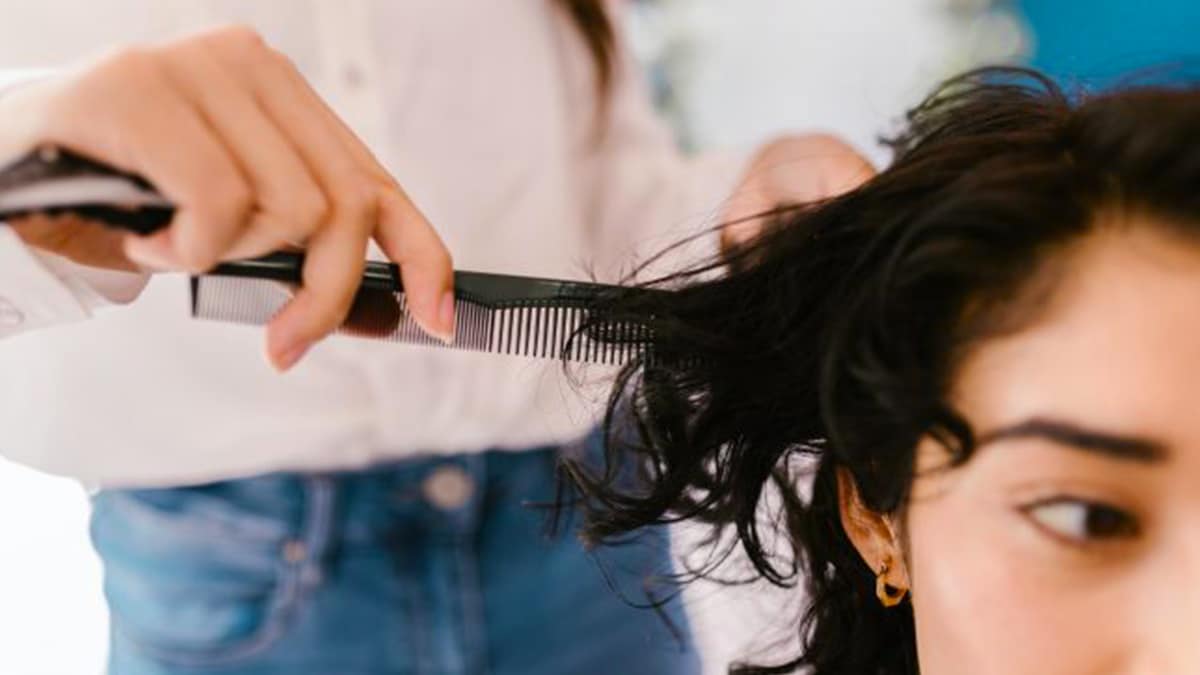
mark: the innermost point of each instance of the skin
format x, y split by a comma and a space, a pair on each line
791, 170
227, 128
1070, 542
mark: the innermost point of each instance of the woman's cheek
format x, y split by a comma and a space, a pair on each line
985, 601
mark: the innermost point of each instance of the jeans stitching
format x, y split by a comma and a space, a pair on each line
285, 598
474, 628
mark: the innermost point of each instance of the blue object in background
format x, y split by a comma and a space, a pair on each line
1099, 42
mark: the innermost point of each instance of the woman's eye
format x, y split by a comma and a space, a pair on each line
1081, 521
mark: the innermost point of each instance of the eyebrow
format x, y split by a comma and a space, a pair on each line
1129, 448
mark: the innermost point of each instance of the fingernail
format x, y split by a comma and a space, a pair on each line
149, 256
446, 317
288, 358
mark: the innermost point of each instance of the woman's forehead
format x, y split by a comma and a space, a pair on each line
1118, 344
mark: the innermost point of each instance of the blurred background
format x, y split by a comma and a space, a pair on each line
726, 73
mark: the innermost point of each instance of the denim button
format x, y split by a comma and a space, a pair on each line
448, 487
9, 314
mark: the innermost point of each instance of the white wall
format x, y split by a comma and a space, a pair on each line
52, 617
748, 68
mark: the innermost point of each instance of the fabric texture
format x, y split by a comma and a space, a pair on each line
389, 571
486, 114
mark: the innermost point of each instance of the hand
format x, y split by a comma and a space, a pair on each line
791, 170
228, 130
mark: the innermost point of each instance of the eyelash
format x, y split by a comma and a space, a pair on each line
1120, 524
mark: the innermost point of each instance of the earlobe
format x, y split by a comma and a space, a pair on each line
889, 595
872, 534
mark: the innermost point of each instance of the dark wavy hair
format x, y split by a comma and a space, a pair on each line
596, 29
833, 337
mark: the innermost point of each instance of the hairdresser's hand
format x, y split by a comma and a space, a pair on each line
791, 170
228, 129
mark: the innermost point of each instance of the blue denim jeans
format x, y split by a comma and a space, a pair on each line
440, 565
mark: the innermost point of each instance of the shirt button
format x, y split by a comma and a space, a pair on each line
352, 75
448, 488
9, 314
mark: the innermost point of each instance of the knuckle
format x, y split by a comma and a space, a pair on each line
228, 197
312, 208
131, 60
281, 59
302, 213
311, 203
356, 199
240, 36
116, 87
832, 147
824, 138
234, 43
237, 196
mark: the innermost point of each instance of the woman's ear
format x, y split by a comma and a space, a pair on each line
871, 533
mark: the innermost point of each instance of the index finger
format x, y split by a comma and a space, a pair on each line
426, 270
404, 234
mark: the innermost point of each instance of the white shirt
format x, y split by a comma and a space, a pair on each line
484, 112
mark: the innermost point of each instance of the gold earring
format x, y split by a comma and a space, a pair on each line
889, 596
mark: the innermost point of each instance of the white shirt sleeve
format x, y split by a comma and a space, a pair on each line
39, 289
31, 296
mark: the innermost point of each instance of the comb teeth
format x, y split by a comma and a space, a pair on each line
538, 328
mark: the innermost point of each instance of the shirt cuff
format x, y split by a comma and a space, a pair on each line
93, 287
31, 295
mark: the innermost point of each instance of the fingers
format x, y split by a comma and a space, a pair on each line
254, 160
841, 168
403, 232
337, 248
332, 273
288, 204
792, 170
425, 266
189, 164
363, 199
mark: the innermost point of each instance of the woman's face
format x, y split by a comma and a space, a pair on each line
1070, 542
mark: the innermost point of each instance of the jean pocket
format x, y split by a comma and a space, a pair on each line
192, 579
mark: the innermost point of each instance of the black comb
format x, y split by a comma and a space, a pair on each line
496, 313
